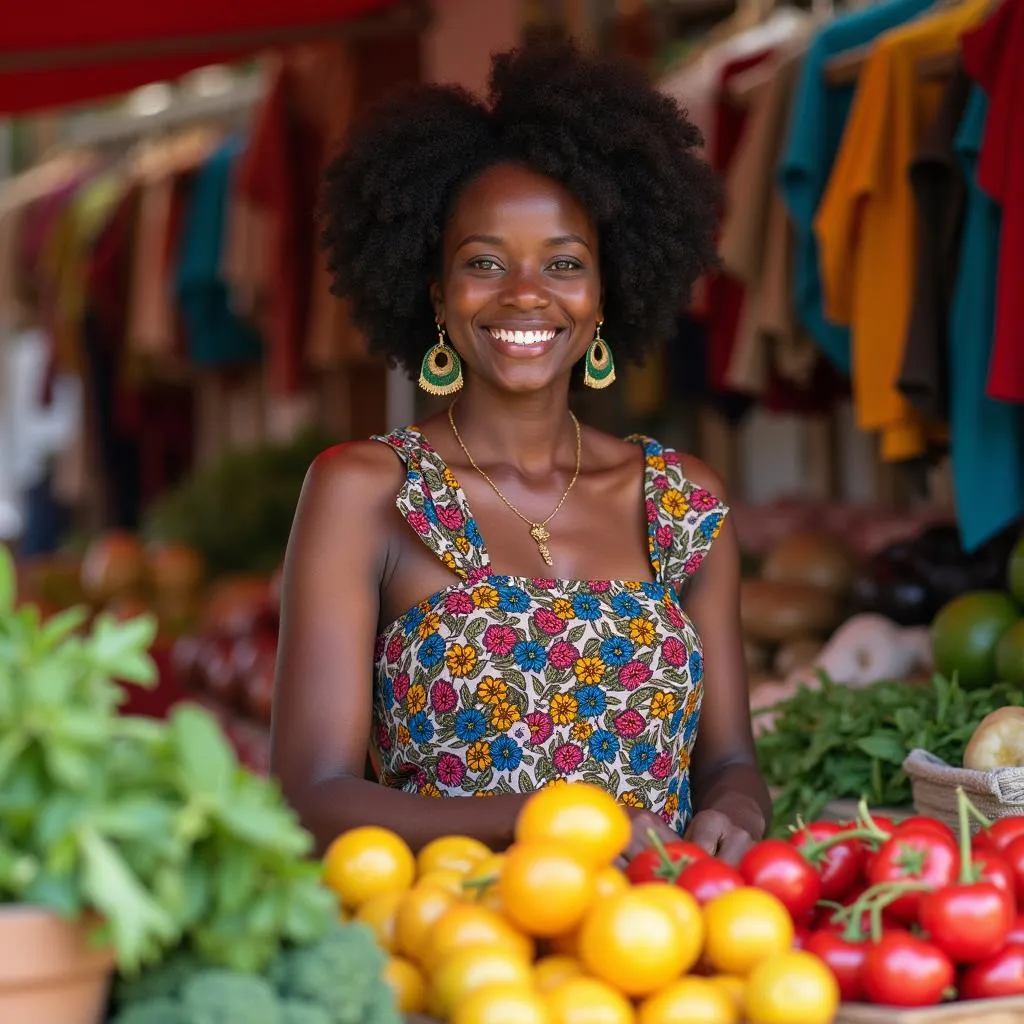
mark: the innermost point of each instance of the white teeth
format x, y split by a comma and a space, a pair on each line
522, 337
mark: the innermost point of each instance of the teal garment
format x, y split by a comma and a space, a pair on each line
215, 335
986, 436
816, 124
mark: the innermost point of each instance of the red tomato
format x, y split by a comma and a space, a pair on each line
844, 959
840, 867
778, 868
1013, 854
705, 879
1016, 931
921, 856
968, 922
903, 970
1003, 832
648, 866
920, 822
991, 866
1000, 975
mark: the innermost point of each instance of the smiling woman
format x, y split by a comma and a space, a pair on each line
595, 635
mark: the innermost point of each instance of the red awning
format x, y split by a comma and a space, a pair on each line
54, 53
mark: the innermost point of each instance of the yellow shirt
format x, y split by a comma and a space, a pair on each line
865, 224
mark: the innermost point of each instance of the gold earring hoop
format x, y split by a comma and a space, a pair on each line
441, 370
599, 370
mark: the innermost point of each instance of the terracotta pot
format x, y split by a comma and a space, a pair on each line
48, 970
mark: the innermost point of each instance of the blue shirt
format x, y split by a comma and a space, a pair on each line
986, 436
816, 124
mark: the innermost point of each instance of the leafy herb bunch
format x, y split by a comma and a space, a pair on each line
152, 826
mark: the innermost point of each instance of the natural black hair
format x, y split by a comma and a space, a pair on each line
627, 152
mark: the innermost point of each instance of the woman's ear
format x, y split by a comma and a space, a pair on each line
437, 301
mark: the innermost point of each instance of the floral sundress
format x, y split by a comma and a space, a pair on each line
504, 684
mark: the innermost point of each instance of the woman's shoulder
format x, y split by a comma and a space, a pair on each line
354, 475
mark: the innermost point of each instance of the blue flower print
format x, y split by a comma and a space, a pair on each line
674, 722
421, 728
641, 757
470, 725
653, 590
431, 651
500, 581
617, 650
513, 599
626, 605
388, 693
506, 754
690, 729
709, 524
473, 534
586, 606
673, 785
591, 701
530, 655
430, 511
696, 666
414, 476
604, 745
413, 617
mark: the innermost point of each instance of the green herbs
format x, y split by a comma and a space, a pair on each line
841, 742
152, 825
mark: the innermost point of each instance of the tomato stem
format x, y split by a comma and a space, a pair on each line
670, 870
966, 864
873, 901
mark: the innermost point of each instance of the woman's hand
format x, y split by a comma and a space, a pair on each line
645, 822
716, 832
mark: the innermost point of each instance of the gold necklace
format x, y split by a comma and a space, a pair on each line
538, 531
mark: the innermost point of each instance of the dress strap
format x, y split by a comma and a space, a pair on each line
433, 503
683, 519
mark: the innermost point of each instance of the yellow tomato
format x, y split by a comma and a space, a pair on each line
733, 987
481, 883
588, 1001
686, 910
419, 910
473, 968
586, 819
366, 861
501, 1004
379, 913
450, 881
792, 988
408, 984
566, 944
544, 889
550, 971
688, 1001
451, 853
468, 924
608, 881
631, 942
744, 927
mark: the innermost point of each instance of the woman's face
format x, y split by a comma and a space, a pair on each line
520, 290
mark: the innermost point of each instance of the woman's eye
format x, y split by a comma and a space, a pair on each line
484, 263
565, 265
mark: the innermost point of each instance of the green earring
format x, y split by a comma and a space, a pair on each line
599, 370
441, 371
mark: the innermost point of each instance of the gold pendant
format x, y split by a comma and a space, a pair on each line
539, 532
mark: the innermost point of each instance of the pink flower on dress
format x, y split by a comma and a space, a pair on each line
702, 500
674, 651
478, 573
540, 726
499, 639
418, 521
543, 584
563, 654
661, 482
449, 516
652, 511
401, 685
419, 777
599, 586
663, 535
692, 564
634, 674
443, 697
674, 616
629, 723
458, 602
671, 457
394, 651
450, 770
662, 765
567, 758
548, 622
383, 738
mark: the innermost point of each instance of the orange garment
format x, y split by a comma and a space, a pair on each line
866, 221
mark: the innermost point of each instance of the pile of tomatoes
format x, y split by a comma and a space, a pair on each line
551, 931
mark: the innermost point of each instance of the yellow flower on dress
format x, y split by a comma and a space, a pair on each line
590, 670
674, 502
429, 626
631, 799
564, 708
692, 701
485, 792
656, 462
684, 760
460, 659
641, 630
490, 690
633, 585
429, 789
563, 608
504, 716
449, 479
672, 803
485, 596
478, 756
462, 543
663, 703
582, 731
403, 736
718, 529
449, 560
555, 782
416, 699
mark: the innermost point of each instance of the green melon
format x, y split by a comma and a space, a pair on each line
1010, 656
1015, 571
966, 632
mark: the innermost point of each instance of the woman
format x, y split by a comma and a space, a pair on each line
434, 604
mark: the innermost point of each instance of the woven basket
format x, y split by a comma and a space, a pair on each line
997, 794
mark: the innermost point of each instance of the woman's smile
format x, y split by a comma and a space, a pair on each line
529, 340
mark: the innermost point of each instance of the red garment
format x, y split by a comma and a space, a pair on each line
992, 57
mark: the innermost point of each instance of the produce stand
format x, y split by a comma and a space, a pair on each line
988, 1011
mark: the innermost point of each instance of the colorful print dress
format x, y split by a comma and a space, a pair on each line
503, 684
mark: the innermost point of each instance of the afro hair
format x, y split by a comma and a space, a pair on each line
628, 153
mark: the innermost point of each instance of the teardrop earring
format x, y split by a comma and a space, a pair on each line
599, 370
441, 371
